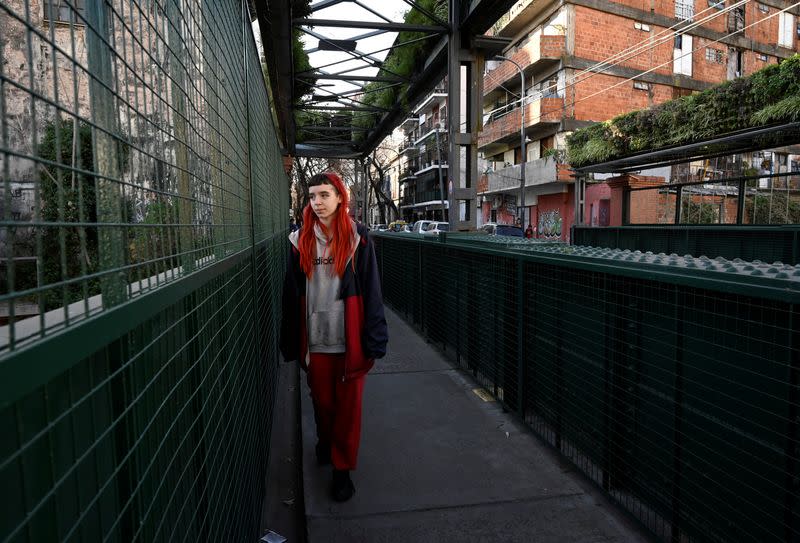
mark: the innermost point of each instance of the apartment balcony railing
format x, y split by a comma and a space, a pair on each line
407, 174
542, 111
537, 172
420, 197
408, 148
438, 92
539, 51
428, 130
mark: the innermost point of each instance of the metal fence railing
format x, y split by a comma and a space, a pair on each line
142, 240
672, 382
764, 243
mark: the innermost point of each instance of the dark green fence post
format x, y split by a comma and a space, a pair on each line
107, 151
678, 196
521, 323
741, 200
792, 449
677, 439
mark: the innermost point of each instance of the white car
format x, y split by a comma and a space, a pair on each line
434, 228
420, 227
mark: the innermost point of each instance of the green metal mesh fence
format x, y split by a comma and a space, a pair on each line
673, 383
142, 239
765, 243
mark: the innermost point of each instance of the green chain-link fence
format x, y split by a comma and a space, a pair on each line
672, 382
144, 209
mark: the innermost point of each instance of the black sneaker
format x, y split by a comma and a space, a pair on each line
342, 488
323, 454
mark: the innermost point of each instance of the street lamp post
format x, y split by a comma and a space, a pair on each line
521, 137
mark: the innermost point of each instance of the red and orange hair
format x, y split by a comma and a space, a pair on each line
340, 234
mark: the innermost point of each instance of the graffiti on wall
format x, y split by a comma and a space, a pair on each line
550, 224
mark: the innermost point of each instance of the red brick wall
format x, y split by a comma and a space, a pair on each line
613, 102
599, 35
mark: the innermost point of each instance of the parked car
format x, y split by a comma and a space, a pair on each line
397, 226
509, 230
420, 226
433, 228
494, 229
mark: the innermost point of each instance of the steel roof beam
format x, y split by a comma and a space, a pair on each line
335, 128
392, 27
337, 77
311, 107
324, 4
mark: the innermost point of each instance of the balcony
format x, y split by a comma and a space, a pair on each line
408, 148
422, 197
428, 129
538, 52
409, 124
505, 127
436, 94
407, 174
537, 172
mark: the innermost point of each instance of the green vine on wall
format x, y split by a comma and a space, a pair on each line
769, 96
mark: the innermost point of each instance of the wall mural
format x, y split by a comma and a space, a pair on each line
550, 224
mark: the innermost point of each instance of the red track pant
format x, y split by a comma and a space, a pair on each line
337, 408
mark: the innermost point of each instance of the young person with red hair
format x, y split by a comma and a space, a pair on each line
333, 321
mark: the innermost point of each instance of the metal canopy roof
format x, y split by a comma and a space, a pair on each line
737, 142
349, 54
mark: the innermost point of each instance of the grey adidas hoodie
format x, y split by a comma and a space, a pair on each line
324, 307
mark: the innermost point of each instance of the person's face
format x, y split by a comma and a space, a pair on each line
324, 201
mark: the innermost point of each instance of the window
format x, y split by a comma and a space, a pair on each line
736, 19
682, 55
719, 4
641, 26
684, 9
762, 58
60, 11
713, 55
785, 27
763, 8
641, 85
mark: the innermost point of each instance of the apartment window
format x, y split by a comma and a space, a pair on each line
641, 85
641, 26
785, 30
763, 8
549, 88
61, 12
719, 4
736, 19
762, 58
682, 55
684, 9
713, 55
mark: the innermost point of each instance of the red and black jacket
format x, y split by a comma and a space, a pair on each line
365, 324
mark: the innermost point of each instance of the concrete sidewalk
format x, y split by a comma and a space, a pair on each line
438, 464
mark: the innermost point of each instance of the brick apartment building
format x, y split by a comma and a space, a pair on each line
556, 42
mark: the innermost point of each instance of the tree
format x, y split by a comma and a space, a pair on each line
67, 197
380, 163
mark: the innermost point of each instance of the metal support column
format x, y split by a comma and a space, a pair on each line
462, 172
